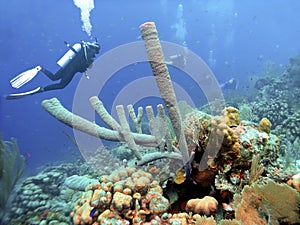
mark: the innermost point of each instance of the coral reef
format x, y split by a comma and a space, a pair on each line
108, 158
229, 168
275, 96
45, 198
130, 193
293, 70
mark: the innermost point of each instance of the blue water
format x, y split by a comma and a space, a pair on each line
241, 34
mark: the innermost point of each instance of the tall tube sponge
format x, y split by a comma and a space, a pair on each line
164, 83
86, 7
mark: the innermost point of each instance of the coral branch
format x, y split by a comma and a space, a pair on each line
150, 157
55, 108
121, 133
137, 119
126, 133
164, 83
164, 127
104, 115
154, 127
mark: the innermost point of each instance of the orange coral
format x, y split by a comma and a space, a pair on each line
207, 205
265, 125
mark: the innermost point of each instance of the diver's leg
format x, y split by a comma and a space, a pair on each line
50, 75
63, 83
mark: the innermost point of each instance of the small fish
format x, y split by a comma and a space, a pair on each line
227, 207
93, 211
27, 154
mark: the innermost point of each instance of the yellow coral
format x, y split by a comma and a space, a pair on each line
265, 125
232, 116
179, 177
121, 202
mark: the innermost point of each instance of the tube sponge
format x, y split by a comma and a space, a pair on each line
164, 83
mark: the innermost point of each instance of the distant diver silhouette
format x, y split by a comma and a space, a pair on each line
77, 60
229, 85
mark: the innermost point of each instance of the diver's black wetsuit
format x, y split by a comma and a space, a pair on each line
79, 64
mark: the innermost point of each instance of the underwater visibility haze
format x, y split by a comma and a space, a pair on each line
166, 112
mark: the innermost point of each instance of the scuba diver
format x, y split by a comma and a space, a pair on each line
229, 85
79, 58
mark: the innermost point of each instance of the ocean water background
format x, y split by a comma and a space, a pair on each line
241, 35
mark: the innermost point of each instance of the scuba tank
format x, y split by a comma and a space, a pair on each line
66, 58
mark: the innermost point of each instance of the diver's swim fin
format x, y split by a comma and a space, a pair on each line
24, 77
24, 94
